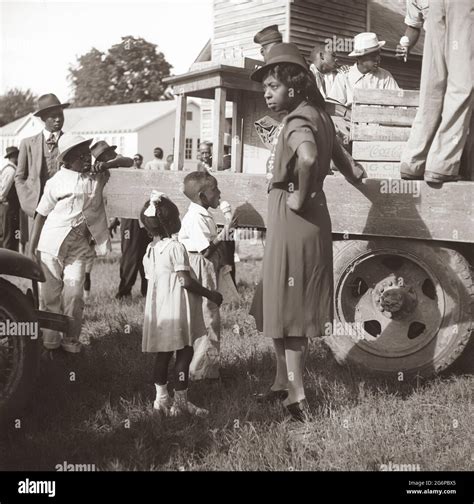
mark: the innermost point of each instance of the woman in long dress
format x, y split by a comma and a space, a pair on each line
297, 264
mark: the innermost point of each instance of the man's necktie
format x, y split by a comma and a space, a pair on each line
51, 142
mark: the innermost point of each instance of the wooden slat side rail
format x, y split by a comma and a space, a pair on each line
401, 97
381, 169
377, 151
376, 207
371, 132
384, 116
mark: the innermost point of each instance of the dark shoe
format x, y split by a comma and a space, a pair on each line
122, 295
405, 176
299, 411
271, 396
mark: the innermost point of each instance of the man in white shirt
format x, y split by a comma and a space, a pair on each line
440, 129
157, 163
9, 205
70, 222
365, 73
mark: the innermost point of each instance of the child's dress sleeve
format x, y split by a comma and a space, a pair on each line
179, 257
148, 263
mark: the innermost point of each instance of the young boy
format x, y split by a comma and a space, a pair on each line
199, 235
105, 157
70, 214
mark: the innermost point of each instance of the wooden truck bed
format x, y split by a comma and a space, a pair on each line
375, 207
382, 205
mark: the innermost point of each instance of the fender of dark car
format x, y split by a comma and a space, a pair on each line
15, 264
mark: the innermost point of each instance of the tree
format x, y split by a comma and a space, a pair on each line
90, 80
16, 103
130, 72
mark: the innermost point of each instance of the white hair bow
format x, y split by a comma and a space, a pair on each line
154, 197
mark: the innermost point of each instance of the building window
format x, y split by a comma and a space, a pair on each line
197, 148
189, 116
188, 149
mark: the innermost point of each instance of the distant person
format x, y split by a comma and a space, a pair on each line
173, 313
365, 73
103, 153
324, 66
205, 157
37, 160
9, 204
134, 240
157, 163
138, 161
169, 162
267, 38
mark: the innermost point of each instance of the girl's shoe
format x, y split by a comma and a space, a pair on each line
71, 346
181, 406
163, 405
299, 411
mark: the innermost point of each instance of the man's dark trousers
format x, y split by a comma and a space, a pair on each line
134, 243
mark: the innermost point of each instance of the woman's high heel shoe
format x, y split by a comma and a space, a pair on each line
299, 411
271, 396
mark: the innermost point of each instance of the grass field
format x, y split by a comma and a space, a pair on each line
96, 407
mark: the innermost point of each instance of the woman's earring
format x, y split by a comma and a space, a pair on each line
291, 92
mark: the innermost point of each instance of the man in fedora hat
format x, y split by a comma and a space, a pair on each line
37, 161
9, 205
267, 38
440, 131
365, 73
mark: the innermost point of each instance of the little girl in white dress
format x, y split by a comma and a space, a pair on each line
173, 309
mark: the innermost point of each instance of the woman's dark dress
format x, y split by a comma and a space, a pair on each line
297, 265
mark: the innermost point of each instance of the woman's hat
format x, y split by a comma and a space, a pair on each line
11, 151
68, 141
366, 43
49, 101
100, 147
280, 53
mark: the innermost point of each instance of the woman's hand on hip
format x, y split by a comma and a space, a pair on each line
293, 201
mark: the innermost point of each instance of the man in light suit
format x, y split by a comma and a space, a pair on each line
37, 160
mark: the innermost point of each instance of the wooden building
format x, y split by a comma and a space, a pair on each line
221, 71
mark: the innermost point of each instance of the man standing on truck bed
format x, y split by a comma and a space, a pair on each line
439, 132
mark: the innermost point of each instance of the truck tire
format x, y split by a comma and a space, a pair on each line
19, 354
402, 307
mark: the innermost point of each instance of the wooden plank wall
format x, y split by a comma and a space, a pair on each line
408, 209
237, 21
406, 74
318, 20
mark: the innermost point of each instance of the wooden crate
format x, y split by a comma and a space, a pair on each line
381, 123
